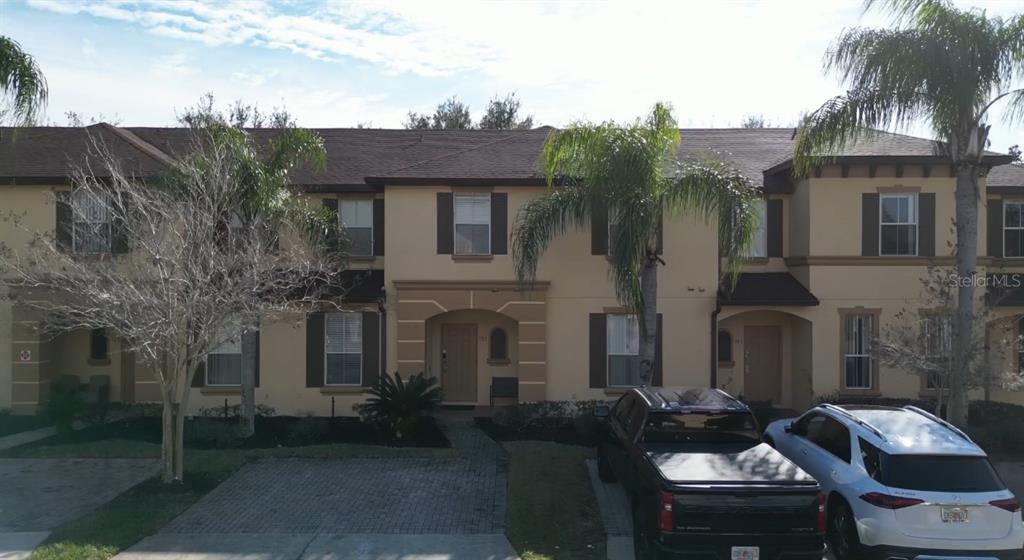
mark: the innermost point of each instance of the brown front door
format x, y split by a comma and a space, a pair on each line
762, 364
458, 363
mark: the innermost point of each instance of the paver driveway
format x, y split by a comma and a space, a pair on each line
463, 493
40, 494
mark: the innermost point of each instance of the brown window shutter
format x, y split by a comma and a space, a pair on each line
64, 221
371, 348
598, 350
657, 379
315, 350
869, 225
660, 243
199, 380
334, 237
378, 227
599, 231
499, 223
995, 228
445, 223
926, 224
774, 227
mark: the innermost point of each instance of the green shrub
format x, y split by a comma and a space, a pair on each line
308, 431
531, 415
66, 403
209, 432
396, 406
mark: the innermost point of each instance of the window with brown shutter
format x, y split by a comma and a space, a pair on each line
445, 223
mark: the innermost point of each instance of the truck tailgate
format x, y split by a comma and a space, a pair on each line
762, 511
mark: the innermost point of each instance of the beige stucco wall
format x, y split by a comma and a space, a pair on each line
485, 321
71, 357
6, 358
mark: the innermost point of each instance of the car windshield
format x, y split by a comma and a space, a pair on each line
937, 473
665, 427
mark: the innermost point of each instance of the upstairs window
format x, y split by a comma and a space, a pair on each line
898, 225
343, 348
623, 351
224, 363
92, 231
473, 224
356, 216
858, 332
1013, 229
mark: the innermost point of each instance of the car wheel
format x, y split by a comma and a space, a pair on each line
604, 470
842, 533
643, 547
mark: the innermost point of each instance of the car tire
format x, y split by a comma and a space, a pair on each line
604, 470
842, 532
643, 543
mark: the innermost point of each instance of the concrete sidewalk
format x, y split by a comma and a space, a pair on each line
19, 545
270, 546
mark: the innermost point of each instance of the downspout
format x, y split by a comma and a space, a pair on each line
714, 342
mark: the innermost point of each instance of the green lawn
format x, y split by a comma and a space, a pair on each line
12, 424
143, 509
552, 512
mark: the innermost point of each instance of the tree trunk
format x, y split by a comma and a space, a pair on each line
249, 357
966, 263
167, 438
648, 338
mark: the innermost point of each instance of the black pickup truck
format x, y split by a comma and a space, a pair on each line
701, 482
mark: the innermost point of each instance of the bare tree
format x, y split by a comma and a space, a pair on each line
920, 339
179, 264
503, 114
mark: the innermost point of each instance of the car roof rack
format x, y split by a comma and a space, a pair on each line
935, 418
860, 421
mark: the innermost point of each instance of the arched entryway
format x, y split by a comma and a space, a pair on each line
770, 358
468, 334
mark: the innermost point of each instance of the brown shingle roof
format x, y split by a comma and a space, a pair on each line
415, 156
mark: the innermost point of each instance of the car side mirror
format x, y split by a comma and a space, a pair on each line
788, 428
601, 412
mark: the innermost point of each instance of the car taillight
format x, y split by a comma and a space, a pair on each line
886, 501
1009, 504
665, 511
821, 513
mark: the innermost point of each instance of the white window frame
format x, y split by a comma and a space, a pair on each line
608, 346
359, 317
1007, 203
77, 218
341, 222
218, 350
867, 345
916, 222
759, 249
455, 221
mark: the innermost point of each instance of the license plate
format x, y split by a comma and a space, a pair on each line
746, 553
954, 514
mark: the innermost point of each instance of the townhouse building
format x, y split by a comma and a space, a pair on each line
430, 216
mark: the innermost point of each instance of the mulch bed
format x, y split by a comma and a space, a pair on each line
555, 430
271, 431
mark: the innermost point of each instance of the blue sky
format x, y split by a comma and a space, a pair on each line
345, 63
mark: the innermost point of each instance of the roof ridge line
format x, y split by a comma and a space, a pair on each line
139, 144
460, 152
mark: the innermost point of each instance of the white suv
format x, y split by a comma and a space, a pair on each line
902, 484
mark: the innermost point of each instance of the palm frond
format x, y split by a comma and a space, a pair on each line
22, 80
541, 220
717, 192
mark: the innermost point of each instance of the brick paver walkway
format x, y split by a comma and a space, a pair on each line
40, 494
464, 493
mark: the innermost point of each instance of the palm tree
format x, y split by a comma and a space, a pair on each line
631, 173
941, 65
22, 81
